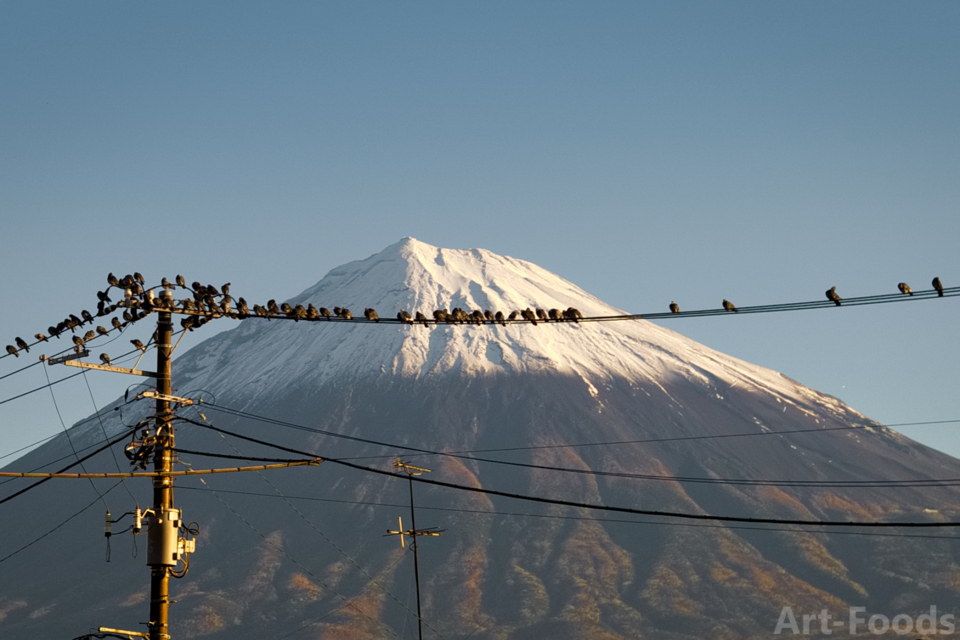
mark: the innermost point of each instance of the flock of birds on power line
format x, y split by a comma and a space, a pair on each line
207, 302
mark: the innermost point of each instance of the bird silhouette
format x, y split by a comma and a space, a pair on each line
181, 282
728, 305
498, 317
371, 315
166, 284
12, 350
105, 359
138, 345
112, 280
489, 315
22, 344
905, 288
514, 315
138, 277
938, 286
832, 296
674, 307
422, 319
116, 323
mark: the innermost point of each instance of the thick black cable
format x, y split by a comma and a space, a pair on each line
579, 505
523, 514
228, 456
927, 482
122, 436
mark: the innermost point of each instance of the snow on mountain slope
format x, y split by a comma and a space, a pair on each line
416, 276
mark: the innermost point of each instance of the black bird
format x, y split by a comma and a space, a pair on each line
833, 297
53, 331
405, 317
905, 288
498, 317
12, 350
674, 307
728, 305
938, 286
422, 319
166, 284
89, 335
77, 322
103, 296
102, 331
187, 323
196, 286
181, 282
370, 314
514, 315
112, 280
325, 312
138, 277
41, 337
86, 316
116, 323
22, 344
225, 289
105, 359
127, 316
138, 345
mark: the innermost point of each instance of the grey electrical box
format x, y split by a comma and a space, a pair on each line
162, 538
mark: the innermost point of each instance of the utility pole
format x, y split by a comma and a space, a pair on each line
163, 532
413, 532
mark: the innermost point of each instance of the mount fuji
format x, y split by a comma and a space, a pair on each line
626, 414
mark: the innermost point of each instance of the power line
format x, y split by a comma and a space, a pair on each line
927, 482
570, 503
559, 517
38, 539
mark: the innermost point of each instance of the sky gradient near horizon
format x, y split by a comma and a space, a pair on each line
647, 152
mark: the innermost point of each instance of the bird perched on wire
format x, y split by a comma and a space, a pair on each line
139, 345
832, 296
555, 315
325, 312
572, 313
674, 307
77, 340
105, 359
112, 280
102, 330
422, 319
371, 315
138, 277
938, 286
529, 315
40, 337
181, 282
404, 317
22, 344
729, 305
89, 335
12, 350
905, 288
498, 317
115, 322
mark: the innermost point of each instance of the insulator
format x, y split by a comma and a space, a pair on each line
108, 525
137, 520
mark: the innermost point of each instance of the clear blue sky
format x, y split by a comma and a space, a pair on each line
648, 152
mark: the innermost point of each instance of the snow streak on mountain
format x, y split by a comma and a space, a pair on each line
301, 553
